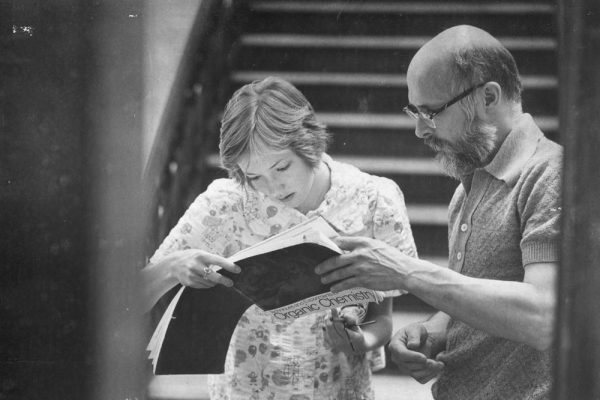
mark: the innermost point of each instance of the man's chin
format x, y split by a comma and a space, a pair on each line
452, 166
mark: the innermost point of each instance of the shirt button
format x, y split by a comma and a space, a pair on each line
459, 256
464, 227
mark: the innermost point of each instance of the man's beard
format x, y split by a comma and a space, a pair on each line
472, 150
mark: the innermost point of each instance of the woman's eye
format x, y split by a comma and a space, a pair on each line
283, 168
251, 178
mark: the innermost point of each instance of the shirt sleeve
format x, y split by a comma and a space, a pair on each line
540, 211
390, 222
208, 224
390, 219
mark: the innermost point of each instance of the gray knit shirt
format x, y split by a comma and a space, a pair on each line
502, 218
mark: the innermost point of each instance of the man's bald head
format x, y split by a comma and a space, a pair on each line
463, 56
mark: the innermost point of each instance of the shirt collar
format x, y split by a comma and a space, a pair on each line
515, 151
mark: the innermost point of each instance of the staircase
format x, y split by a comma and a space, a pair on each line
350, 58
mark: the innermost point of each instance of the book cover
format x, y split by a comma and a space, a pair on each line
281, 277
277, 275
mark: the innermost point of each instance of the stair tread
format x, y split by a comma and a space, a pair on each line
397, 165
366, 79
427, 214
376, 42
403, 7
399, 121
376, 164
390, 384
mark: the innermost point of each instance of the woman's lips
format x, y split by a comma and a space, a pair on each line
287, 198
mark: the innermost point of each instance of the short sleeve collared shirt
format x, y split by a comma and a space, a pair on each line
502, 218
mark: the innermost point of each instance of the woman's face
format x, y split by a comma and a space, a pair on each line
283, 176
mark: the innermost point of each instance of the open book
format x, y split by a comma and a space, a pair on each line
277, 275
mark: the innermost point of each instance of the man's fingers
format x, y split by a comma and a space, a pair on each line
345, 285
330, 265
435, 365
416, 335
406, 357
425, 372
349, 243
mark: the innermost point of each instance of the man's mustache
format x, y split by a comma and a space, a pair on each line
436, 144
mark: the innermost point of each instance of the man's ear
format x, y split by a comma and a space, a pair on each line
492, 93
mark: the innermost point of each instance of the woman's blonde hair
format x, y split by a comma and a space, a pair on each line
270, 113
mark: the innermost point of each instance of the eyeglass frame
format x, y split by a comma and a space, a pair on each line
428, 116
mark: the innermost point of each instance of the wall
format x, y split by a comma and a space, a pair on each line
167, 26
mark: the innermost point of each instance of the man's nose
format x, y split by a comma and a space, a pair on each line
422, 130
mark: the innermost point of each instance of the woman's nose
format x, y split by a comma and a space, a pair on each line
275, 187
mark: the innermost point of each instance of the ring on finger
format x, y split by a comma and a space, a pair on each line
206, 271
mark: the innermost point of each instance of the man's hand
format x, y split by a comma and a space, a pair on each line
414, 349
367, 263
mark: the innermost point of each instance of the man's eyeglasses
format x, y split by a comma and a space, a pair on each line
428, 115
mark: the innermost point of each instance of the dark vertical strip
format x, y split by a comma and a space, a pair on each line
114, 168
44, 329
577, 373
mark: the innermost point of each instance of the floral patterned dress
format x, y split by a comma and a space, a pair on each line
272, 359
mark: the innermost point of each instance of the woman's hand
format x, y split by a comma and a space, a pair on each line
196, 268
342, 332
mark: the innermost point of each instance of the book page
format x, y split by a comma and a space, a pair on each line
315, 230
160, 331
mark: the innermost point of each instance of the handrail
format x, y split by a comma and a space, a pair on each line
189, 115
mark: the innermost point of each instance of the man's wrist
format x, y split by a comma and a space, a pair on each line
422, 276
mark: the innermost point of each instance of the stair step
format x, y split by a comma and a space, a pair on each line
399, 121
391, 142
393, 165
391, 384
417, 189
378, 121
385, 93
178, 387
375, 165
376, 42
441, 261
364, 79
368, 54
400, 18
428, 214
402, 7
387, 143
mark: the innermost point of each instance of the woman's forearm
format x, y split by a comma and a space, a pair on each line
156, 280
378, 333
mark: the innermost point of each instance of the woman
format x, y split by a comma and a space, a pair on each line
274, 150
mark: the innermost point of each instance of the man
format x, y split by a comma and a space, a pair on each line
492, 335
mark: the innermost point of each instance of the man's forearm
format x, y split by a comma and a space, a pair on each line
517, 311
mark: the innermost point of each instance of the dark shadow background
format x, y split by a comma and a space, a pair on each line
70, 169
